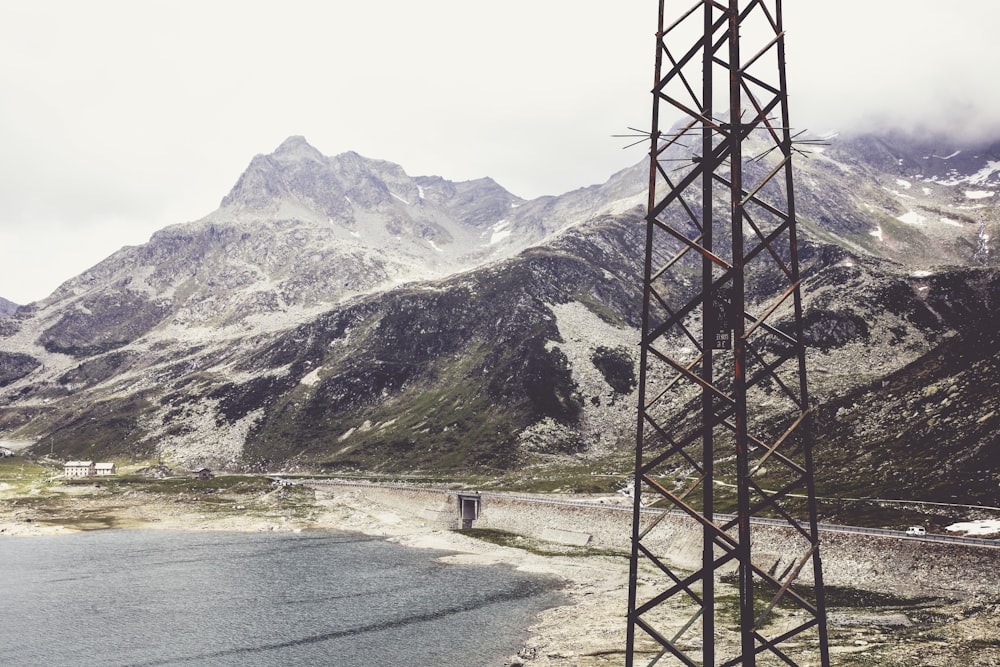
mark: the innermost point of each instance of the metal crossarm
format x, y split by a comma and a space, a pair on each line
723, 403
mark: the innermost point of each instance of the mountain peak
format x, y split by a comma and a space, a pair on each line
296, 147
7, 307
270, 178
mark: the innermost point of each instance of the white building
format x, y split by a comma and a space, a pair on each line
105, 469
79, 469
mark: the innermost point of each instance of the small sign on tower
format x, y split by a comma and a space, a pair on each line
720, 319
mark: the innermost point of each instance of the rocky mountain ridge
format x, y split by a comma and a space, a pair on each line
7, 307
335, 312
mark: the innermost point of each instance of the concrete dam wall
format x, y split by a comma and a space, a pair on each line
903, 567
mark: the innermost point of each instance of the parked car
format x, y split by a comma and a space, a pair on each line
916, 531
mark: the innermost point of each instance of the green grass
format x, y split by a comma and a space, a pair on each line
599, 309
54, 514
602, 475
18, 468
856, 598
222, 494
22, 475
534, 546
240, 484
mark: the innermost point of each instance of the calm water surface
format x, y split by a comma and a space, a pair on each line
133, 597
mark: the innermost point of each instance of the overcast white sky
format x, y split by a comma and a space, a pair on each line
120, 117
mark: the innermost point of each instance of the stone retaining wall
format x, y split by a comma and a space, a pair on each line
903, 567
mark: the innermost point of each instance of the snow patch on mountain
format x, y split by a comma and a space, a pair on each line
974, 528
983, 175
911, 218
499, 236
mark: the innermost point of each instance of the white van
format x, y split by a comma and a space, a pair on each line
916, 531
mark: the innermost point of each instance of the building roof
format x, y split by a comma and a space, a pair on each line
78, 464
103, 466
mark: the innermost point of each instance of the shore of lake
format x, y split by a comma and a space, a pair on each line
587, 631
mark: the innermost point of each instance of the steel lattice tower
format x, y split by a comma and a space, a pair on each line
724, 416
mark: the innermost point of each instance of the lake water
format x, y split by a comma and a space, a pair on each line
134, 597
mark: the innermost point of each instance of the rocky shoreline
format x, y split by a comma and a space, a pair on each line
588, 631
595, 586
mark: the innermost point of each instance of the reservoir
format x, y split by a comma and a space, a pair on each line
150, 597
